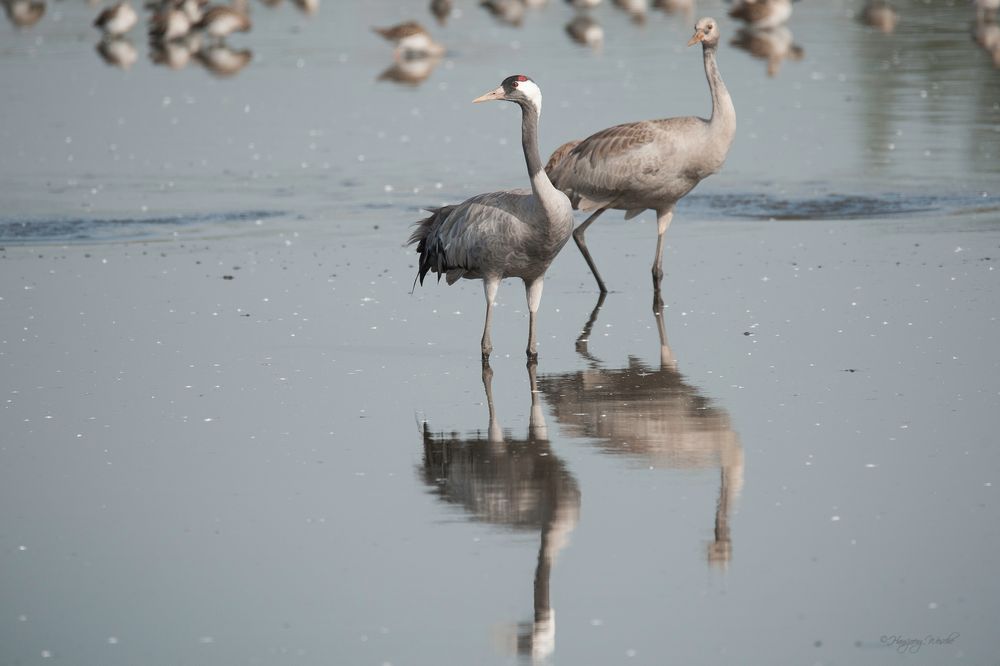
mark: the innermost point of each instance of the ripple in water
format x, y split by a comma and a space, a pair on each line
760, 206
71, 229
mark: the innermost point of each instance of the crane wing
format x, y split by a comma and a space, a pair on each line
599, 168
472, 237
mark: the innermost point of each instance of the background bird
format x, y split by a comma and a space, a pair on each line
508, 12
511, 233
412, 40
775, 45
222, 21
169, 24
584, 30
24, 13
441, 9
880, 15
987, 9
117, 19
762, 13
648, 164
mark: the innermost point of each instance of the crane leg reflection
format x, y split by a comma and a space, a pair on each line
513, 483
653, 416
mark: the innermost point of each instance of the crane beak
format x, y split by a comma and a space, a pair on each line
698, 36
493, 94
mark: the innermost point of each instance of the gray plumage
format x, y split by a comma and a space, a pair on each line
511, 233
648, 164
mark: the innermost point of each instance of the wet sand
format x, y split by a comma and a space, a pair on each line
232, 435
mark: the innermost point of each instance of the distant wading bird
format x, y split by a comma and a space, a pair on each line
221, 21
648, 164
116, 20
511, 233
412, 41
762, 13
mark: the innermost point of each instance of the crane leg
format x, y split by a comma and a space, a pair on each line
582, 244
490, 286
533, 290
663, 218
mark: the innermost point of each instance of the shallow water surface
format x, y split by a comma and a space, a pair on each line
235, 434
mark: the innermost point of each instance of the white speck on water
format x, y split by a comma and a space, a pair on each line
834, 519
631, 652
22, 548
932, 605
112, 640
870, 465
46, 654
596, 622
206, 640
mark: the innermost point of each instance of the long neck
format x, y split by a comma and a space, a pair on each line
540, 183
723, 113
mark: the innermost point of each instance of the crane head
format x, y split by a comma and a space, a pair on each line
706, 31
519, 89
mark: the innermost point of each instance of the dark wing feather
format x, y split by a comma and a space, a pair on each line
429, 247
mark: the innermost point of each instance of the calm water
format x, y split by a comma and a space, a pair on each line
232, 435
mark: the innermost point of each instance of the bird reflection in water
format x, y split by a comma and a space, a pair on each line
410, 72
519, 484
775, 45
652, 415
222, 61
118, 51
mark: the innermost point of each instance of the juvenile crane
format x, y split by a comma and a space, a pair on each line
648, 164
510, 233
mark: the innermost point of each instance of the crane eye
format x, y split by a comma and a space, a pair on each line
514, 84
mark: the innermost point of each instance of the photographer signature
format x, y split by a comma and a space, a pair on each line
905, 645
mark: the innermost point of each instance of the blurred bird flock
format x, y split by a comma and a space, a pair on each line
184, 31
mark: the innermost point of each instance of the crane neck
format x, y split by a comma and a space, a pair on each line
723, 112
540, 183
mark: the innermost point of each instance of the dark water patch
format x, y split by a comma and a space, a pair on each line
761, 206
79, 229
